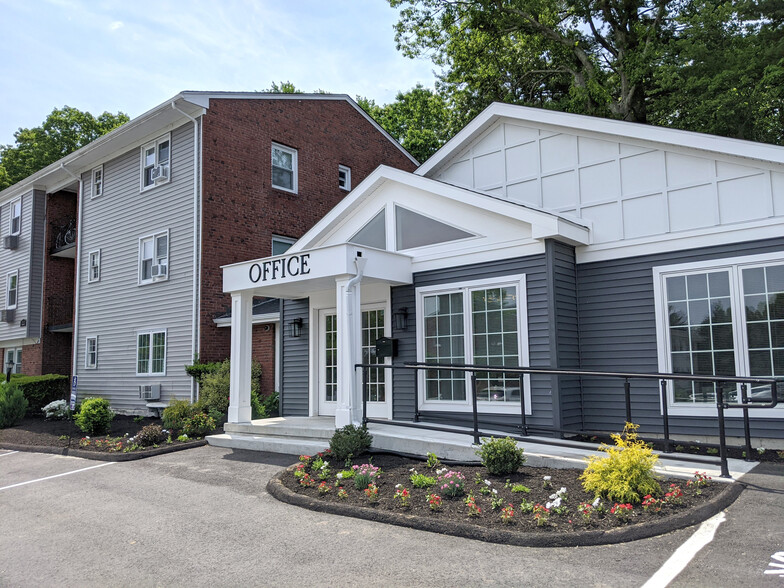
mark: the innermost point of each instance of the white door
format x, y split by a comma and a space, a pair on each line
374, 325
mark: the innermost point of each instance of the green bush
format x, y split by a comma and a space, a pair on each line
199, 370
13, 405
214, 389
175, 415
501, 456
350, 441
150, 435
198, 425
626, 473
41, 390
95, 416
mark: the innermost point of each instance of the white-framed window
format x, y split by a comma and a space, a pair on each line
722, 317
344, 177
281, 244
91, 352
94, 266
151, 353
13, 355
482, 322
15, 222
284, 168
154, 258
11, 290
97, 181
156, 162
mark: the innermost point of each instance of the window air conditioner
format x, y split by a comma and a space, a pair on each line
150, 392
159, 172
7, 316
159, 271
11, 242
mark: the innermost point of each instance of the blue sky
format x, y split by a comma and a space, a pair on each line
132, 55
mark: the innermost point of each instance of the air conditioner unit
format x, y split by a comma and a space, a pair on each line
11, 242
7, 316
159, 172
150, 392
159, 271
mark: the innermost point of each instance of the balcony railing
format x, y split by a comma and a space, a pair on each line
64, 236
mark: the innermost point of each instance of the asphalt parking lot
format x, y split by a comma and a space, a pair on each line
202, 517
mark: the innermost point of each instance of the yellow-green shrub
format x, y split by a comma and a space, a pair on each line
625, 474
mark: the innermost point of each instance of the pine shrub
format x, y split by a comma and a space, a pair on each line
501, 456
13, 405
350, 441
95, 416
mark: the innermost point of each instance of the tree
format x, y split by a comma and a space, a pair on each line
65, 130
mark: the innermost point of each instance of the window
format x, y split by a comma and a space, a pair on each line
151, 353
284, 168
721, 318
281, 244
479, 323
154, 258
94, 266
155, 162
91, 352
344, 178
11, 290
16, 217
97, 182
13, 356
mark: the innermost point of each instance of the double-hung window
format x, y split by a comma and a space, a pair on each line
154, 258
156, 166
97, 182
344, 178
94, 266
151, 353
11, 290
284, 168
721, 318
15, 226
479, 322
91, 352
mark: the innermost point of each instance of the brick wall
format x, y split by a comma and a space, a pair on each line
264, 353
53, 354
241, 210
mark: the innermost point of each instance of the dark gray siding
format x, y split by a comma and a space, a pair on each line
37, 252
294, 376
539, 339
618, 333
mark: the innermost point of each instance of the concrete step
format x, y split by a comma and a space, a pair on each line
286, 445
303, 428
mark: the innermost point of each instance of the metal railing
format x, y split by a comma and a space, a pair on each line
745, 403
64, 236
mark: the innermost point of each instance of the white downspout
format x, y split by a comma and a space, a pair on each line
360, 262
77, 269
196, 257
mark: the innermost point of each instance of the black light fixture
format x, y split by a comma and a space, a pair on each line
9, 366
400, 319
296, 327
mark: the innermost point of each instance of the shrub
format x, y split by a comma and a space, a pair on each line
150, 435
42, 390
57, 409
501, 456
214, 389
13, 405
199, 370
625, 474
198, 425
350, 441
175, 415
95, 417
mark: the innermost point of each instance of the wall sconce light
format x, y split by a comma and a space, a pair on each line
400, 319
296, 327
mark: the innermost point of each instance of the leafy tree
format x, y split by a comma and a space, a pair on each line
65, 130
283, 88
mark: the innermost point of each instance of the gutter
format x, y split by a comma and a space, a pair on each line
360, 262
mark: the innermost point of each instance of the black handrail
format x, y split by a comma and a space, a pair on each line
745, 404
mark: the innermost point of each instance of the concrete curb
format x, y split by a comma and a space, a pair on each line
101, 455
508, 537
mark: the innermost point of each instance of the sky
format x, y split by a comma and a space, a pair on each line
132, 55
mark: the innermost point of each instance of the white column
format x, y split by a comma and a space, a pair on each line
241, 343
349, 409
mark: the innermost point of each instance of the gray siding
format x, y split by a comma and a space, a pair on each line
618, 333
539, 340
27, 260
116, 308
294, 392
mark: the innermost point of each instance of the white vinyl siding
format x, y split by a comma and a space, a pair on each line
284, 168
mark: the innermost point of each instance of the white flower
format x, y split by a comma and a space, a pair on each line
495, 491
442, 470
339, 475
547, 478
553, 496
548, 505
557, 502
398, 485
596, 502
413, 470
488, 482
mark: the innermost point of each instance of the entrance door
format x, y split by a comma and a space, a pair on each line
374, 325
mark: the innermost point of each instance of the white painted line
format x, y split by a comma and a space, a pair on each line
9, 453
57, 476
685, 553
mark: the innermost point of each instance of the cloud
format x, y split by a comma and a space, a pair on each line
117, 24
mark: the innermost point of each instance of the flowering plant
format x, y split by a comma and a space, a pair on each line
364, 475
434, 500
371, 492
556, 502
546, 481
305, 459
541, 515
675, 495
451, 483
342, 494
432, 461
57, 409
622, 511
473, 507
84, 442
585, 510
507, 514
324, 488
651, 503
403, 496
307, 480
700, 480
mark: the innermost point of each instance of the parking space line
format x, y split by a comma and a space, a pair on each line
685, 553
57, 476
9, 453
